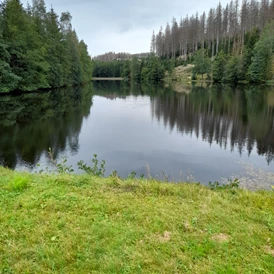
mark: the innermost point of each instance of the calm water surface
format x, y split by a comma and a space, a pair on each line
197, 133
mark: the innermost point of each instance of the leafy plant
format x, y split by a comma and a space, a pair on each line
114, 173
96, 170
18, 183
62, 166
233, 184
132, 175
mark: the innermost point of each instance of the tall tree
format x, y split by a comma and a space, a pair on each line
153, 43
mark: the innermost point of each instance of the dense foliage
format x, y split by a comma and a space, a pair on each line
148, 69
38, 49
255, 64
223, 28
238, 37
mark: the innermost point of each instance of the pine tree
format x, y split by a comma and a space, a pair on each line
260, 68
218, 67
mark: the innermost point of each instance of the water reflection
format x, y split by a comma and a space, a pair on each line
233, 118
31, 123
131, 126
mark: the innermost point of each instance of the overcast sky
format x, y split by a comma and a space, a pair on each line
124, 25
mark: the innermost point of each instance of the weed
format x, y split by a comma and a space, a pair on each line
232, 184
132, 175
62, 166
18, 183
114, 174
96, 169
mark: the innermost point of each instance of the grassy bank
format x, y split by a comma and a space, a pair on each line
82, 224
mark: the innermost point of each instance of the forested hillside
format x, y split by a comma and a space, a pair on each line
39, 49
149, 69
230, 44
112, 56
238, 37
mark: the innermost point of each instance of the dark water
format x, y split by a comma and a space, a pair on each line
196, 133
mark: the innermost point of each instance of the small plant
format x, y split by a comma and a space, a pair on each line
166, 178
96, 170
132, 175
233, 184
18, 183
61, 167
142, 176
194, 76
114, 174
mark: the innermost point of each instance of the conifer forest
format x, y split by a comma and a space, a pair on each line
39, 49
229, 44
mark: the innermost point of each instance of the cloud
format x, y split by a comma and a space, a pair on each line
124, 25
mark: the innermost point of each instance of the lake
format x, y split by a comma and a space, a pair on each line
170, 133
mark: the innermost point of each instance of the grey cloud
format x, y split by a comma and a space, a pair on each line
102, 23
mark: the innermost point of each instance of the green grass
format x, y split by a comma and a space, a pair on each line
82, 224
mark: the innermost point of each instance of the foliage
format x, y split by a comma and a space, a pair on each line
81, 224
61, 167
37, 50
18, 182
108, 69
238, 37
132, 175
150, 69
232, 68
96, 170
232, 184
260, 67
218, 66
202, 63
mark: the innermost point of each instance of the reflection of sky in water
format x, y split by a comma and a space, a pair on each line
123, 133
130, 136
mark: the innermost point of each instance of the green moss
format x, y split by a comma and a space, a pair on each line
82, 224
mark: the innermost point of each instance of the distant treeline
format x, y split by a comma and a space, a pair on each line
38, 49
112, 56
239, 38
254, 64
149, 69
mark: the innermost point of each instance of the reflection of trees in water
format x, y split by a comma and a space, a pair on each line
236, 118
239, 118
121, 89
31, 123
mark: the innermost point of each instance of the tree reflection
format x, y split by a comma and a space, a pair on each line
239, 118
31, 123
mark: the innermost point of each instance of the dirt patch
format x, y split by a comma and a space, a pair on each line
188, 226
269, 250
182, 72
220, 238
165, 237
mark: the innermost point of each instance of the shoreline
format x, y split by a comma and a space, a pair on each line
107, 79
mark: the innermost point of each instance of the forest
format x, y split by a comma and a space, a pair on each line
238, 39
229, 44
39, 49
146, 69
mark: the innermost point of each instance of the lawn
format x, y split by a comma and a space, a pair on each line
83, 224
